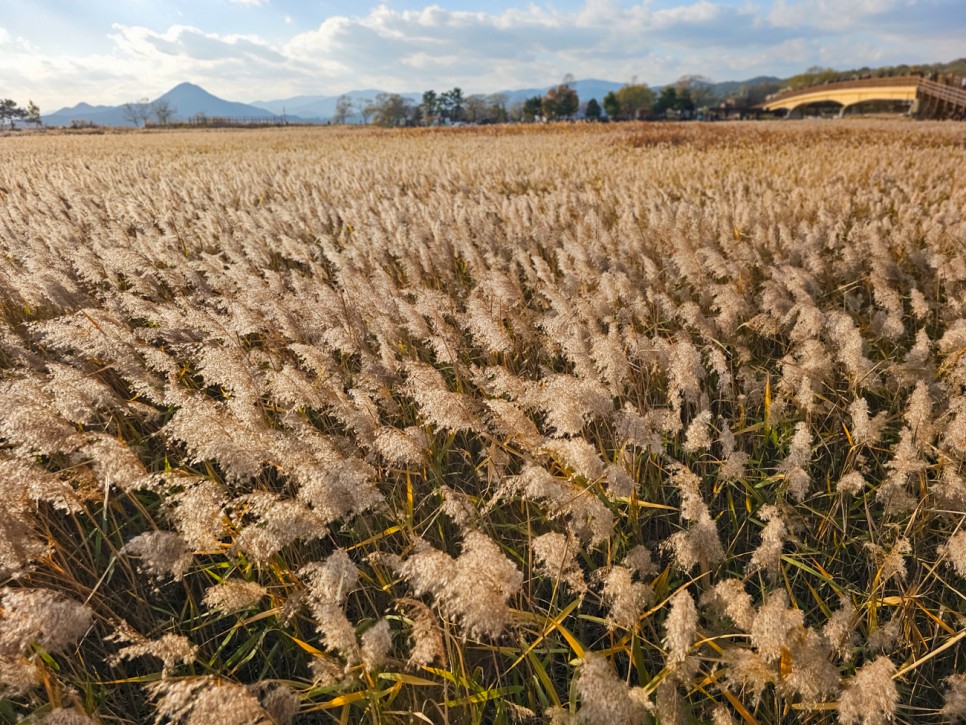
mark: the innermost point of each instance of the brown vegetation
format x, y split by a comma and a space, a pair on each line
597, 424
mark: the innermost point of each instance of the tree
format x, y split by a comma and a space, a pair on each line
698, 88
612, 106
567, 101
451, 104
498, 112
634, 100
476, 107
532, 107
667, 100
431, 107
560, 102
684, 104
592, 112
343, 109
10, 111
748, 96
163, 111
137, 112
366, 110
32, 114
391, 110
813, 76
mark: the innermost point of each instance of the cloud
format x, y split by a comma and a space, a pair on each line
250, 3
191, 43
482, 51
4, 35
887, 18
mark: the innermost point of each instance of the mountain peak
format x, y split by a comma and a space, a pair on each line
189, 100
189, 90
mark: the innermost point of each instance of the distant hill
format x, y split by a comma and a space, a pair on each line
729, 88
100, 115
322, 107
186, 98
190, 100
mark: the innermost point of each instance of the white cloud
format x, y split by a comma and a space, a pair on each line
4, 35
250, 3
529, 45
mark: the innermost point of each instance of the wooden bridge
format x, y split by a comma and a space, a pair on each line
927, 98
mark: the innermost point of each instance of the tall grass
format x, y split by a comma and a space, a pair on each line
643, 423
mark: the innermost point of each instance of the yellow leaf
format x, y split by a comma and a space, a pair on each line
307, 647
571, 640
786, 663
344, 700
407, 679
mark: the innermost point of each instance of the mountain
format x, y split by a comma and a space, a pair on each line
100, 115
186, 99
321, 108
190, 100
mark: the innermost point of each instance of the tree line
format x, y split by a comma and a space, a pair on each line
634, 101
817, 75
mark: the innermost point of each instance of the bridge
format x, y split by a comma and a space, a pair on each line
927, 98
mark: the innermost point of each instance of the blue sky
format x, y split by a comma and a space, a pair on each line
60, 52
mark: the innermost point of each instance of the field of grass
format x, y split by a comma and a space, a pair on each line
638, 423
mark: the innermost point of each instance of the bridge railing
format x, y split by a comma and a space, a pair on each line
943, 92
884, 82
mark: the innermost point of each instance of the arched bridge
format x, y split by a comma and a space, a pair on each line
928, 98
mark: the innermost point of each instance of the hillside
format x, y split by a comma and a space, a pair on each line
187, 100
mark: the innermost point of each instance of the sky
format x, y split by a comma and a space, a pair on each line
61, 52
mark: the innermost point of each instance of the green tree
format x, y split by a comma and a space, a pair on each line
33, 114
10, 112
497, 108
532, 107
451, 104
813, 76
612, 106
684, 103
592, 112
666, 101
431, 107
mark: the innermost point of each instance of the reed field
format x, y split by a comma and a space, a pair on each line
637, 423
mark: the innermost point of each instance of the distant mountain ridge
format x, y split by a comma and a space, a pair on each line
322, 107
190, 100
187, 99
